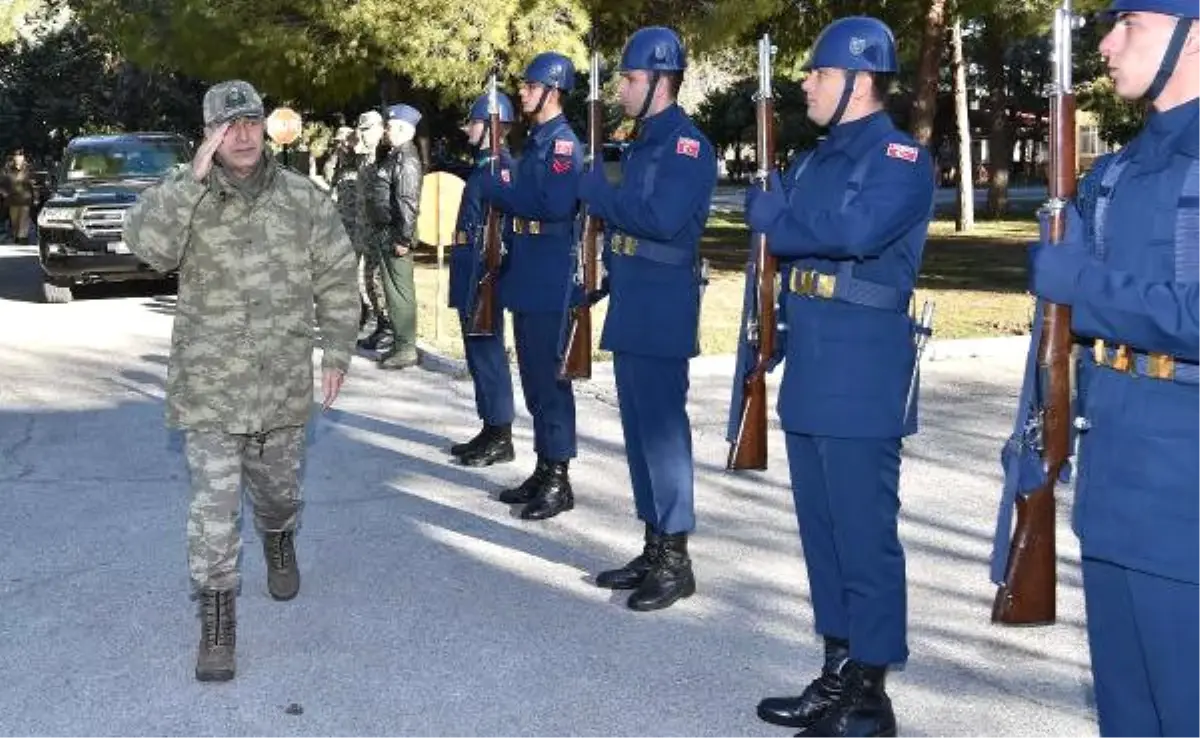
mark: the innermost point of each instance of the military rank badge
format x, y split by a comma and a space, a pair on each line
900, 151
563, 148
687, 147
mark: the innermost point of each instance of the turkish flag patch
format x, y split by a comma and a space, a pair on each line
561, 166
505, 176
563, 148
687, 147
900, 151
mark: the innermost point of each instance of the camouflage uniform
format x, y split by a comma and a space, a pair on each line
260, 264
372, 240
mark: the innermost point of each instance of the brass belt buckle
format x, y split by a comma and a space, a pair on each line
1160, 366
1122, 360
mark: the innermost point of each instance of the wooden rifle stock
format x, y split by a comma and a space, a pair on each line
577, 357
1027, 594
749, 447
483, 311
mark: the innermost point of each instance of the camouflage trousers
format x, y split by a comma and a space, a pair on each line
370, 283
218, 462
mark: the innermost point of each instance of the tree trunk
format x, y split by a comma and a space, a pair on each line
962, 116
928, 72
1000, 136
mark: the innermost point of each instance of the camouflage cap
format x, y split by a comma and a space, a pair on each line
369, 119
226, 101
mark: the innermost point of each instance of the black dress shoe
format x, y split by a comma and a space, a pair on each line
552, 496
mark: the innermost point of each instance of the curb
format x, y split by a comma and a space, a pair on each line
949, 349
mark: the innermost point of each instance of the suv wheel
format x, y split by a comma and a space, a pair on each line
56, 293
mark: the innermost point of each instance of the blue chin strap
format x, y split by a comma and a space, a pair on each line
847, 91
1170, 58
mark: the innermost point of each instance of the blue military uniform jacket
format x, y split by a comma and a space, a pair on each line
540, 195
654, 221
466, 258
848, 365
1137, 503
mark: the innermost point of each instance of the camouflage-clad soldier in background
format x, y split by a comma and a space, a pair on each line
370, 235
342, 174
263, 260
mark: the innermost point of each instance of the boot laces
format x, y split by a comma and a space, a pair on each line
219, 625
281, 552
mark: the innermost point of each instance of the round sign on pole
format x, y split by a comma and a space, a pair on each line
284, 126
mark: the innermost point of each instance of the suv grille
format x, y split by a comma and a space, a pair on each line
103, 222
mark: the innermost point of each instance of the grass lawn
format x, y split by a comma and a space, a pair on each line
977, 280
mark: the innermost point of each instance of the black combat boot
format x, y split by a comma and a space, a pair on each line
632, 574
496, 447
818, 697
283, 575
863, 709
552, 496
381, 334
459, 449
527, 490
669, 578
218, 635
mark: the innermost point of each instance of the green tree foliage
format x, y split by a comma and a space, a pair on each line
324, 53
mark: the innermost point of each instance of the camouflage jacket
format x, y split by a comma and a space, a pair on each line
257, 276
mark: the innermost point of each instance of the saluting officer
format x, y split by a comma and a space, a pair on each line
848, 223
654, 221
538, 282
486, 357
1128, 271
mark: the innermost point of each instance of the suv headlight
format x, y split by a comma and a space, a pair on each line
56, 218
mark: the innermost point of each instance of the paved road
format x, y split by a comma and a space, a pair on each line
427, 607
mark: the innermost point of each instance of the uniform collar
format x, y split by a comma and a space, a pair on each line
856, 136
1173, 131
661, 124
544, 131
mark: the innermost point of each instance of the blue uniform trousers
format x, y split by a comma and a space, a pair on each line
488, 364
652, 395
1145, 651
847, 502
550, 401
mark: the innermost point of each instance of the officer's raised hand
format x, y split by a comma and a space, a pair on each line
202, 161
1054, 269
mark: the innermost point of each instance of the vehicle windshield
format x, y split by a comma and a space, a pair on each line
125, 158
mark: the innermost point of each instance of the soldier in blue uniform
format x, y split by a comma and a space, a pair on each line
537, 285
487, 360
1128, 270
654, 221
848, 222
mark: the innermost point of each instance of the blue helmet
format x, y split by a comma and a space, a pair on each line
406, 113
552, 70
1180, 8
654, 49
857, 43
479, 108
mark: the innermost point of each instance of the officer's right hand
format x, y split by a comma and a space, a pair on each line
202, 162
